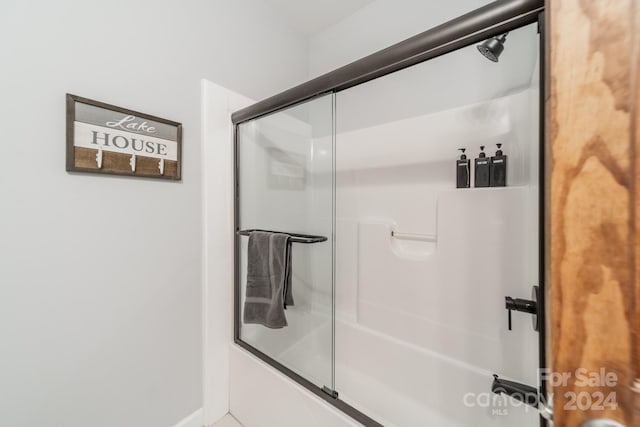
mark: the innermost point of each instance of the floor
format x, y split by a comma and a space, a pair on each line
227, 421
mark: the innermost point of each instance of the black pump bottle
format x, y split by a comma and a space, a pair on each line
499, 169
481, 169
462, 170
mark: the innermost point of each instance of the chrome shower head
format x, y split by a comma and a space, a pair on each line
493, 47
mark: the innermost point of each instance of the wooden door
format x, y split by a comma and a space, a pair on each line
592, 208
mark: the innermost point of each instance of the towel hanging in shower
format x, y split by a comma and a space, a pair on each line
268, 291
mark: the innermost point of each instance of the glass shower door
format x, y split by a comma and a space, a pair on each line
285, 184
423, 267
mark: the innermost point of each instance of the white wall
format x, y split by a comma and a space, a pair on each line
100, 277
217, 162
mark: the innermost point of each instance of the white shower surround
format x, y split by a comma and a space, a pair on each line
422, 324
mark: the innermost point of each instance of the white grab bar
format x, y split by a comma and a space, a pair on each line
414, 236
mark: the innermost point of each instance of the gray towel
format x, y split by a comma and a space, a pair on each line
268, 279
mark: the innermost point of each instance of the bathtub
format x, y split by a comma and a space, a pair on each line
403, 385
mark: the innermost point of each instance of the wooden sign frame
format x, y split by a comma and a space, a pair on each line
105, 139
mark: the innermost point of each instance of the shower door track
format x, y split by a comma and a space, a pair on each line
490, 20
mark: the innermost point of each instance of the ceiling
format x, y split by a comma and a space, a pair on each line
309, 17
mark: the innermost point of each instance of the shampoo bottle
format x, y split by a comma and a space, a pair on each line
481, 169
462, 170
499, 169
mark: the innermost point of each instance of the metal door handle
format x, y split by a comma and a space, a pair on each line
525, 306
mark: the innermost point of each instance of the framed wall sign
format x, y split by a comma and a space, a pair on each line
102, 138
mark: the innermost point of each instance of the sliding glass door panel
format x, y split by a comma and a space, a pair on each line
285, 184
423, 267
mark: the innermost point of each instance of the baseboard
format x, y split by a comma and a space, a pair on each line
193, 420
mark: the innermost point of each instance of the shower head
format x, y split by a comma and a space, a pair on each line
493, 47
